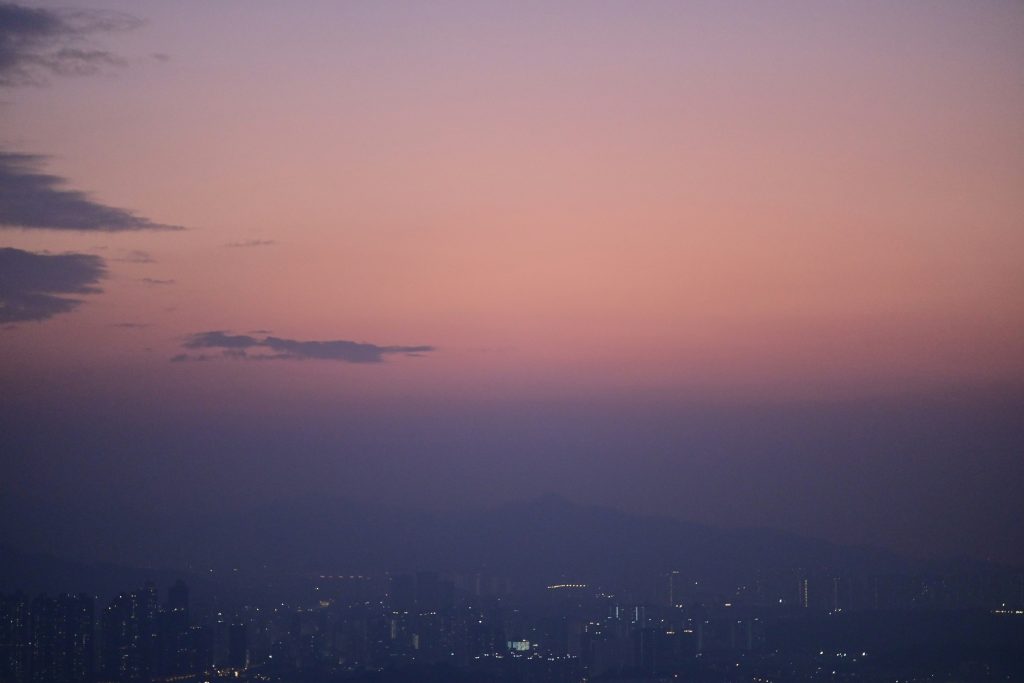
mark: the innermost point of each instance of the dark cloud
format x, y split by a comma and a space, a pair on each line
30, 283
220, 340
251, 243
131, 326
276, 348
76, 62
36, 42
29, 199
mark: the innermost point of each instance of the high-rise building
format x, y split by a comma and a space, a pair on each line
61, 631
14, 638
129, 630
175, 639
402, 593
238, 645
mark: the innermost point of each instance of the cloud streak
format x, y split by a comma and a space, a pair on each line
250, 243
33, 200
248, 347
31, 284
137, 256
37, 42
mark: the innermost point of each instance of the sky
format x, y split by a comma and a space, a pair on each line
750, 264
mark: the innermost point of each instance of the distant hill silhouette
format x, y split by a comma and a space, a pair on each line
533, 541
34, 573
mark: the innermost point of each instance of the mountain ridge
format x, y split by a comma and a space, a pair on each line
533, 541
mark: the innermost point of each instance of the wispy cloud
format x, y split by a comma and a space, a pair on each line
184, 357
157, 281
249, 347
32, 284
250, 243
137, 256
33, 200
37, 42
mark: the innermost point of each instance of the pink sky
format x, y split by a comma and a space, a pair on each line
723, 197
722, 202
